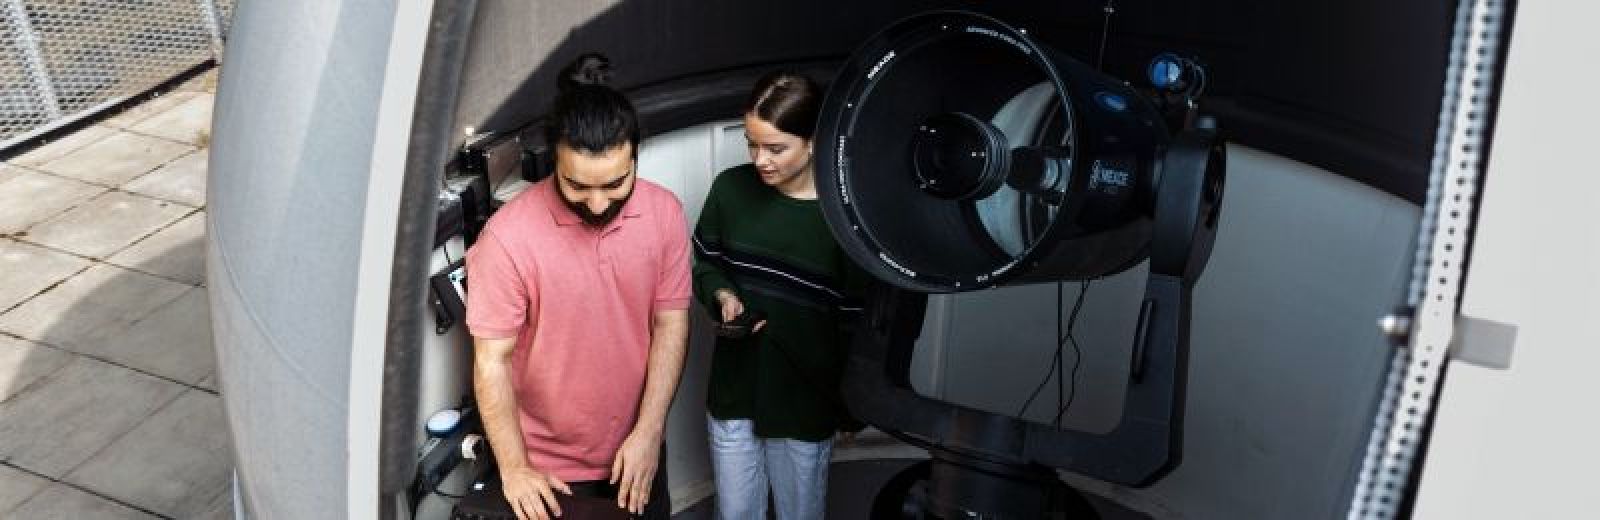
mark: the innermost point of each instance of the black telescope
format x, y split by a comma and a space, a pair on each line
954, 153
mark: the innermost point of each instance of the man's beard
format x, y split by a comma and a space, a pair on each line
602, 218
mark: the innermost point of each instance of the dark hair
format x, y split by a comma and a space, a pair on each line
588, 115
788, 100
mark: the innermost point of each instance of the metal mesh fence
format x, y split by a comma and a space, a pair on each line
62, 59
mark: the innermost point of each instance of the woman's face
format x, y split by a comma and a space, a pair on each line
779, 156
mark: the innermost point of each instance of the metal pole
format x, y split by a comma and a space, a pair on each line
213, 22
32, 57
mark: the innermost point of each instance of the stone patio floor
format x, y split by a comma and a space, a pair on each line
108, 405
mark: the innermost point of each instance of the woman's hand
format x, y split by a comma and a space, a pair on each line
844, 439
730, 304
732, 307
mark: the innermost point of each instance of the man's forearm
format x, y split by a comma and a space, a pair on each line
669, 339
498, 403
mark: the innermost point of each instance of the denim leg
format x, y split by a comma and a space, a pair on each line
736, 461
799, 472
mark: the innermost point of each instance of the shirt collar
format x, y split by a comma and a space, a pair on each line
564, 216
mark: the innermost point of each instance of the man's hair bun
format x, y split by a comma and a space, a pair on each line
589, 69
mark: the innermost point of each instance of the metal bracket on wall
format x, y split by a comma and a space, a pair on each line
1486, 343
1482, 342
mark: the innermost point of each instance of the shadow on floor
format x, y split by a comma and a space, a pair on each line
108, 400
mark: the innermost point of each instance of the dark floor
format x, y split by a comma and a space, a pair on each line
704, 510
852, 486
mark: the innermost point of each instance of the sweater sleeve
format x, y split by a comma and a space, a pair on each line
709, 273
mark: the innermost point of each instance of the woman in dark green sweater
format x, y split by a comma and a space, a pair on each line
761, 246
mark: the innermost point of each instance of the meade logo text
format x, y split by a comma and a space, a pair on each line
1102, 174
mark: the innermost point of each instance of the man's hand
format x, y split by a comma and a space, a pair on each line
528, 491
531, 493
634, 470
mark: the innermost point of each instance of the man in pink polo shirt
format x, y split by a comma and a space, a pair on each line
578, 306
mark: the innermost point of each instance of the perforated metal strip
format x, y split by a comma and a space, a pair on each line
1414, 371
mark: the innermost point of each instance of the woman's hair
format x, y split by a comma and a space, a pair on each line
788, 100
588, 115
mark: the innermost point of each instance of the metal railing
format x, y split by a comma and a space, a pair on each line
62, 60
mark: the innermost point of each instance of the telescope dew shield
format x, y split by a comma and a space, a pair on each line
955, 153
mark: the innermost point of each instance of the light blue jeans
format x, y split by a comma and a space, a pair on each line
745, 465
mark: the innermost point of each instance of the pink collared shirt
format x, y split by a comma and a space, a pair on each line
579, 300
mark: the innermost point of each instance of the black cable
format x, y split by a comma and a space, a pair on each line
1057, 359
1077, 361
1077, 353
419, 483
1105, 33
1060, 381
1055, 362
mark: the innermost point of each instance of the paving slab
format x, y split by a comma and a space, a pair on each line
27, 269
16, 487
220, 507
177, 252
117, 158
107, 223
61, 147
174, 341
23, 363
173, 464
28, 198
102, 296
75, 412
8, 171
183, 180
62, 501
189, 122
133, 115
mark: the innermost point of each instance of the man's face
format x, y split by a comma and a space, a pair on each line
595, 185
